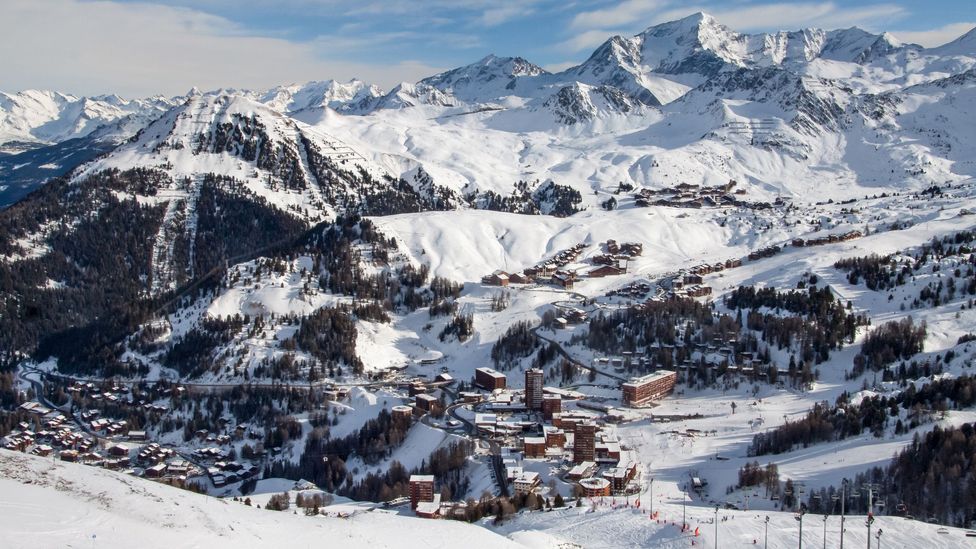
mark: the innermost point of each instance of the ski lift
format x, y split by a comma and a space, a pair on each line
880, 504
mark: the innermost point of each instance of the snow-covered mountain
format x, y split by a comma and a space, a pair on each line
788, 114
490, 78
294, 244
35, 118
315, 95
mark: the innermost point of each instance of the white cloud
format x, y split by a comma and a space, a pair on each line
791, 16
636, 15
626, 13
143, 49
498, 15
935, 37
585, 40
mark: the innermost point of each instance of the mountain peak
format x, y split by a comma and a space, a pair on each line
689, 23
964, 45
485, 79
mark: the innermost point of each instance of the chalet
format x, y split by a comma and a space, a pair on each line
158, 470
118, 450
692, 278
574, 315
564, 279
497, 278
632, 249
699, 291
429, 509
35, 408
605, 270
518, 278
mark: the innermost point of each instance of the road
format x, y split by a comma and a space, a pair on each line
472, 430
567, 356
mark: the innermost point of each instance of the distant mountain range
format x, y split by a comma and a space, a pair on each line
147, 197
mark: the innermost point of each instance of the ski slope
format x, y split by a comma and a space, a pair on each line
49, 504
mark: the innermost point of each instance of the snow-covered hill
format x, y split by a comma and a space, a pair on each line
99, 508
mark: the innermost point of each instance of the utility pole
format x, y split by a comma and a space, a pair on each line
799, 518
843, 488
715, 546
652, 497
766, 538
825, 530
870, 519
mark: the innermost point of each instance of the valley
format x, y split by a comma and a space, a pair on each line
705, 285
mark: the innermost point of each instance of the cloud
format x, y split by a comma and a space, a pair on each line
144, 49
585, 40
638, 14
498, 15
828, 15
560, 67
935, 37
624, 13
593, 27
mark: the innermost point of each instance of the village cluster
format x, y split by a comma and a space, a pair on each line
89, 438
612, 261
539, 428
689, 195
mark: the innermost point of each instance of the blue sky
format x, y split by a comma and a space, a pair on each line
166, 46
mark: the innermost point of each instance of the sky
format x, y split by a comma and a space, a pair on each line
143, 48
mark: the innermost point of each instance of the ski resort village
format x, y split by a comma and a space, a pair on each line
703, 289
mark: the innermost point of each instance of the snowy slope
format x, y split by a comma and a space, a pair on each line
95, 507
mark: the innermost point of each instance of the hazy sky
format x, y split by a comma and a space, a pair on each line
145, 48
